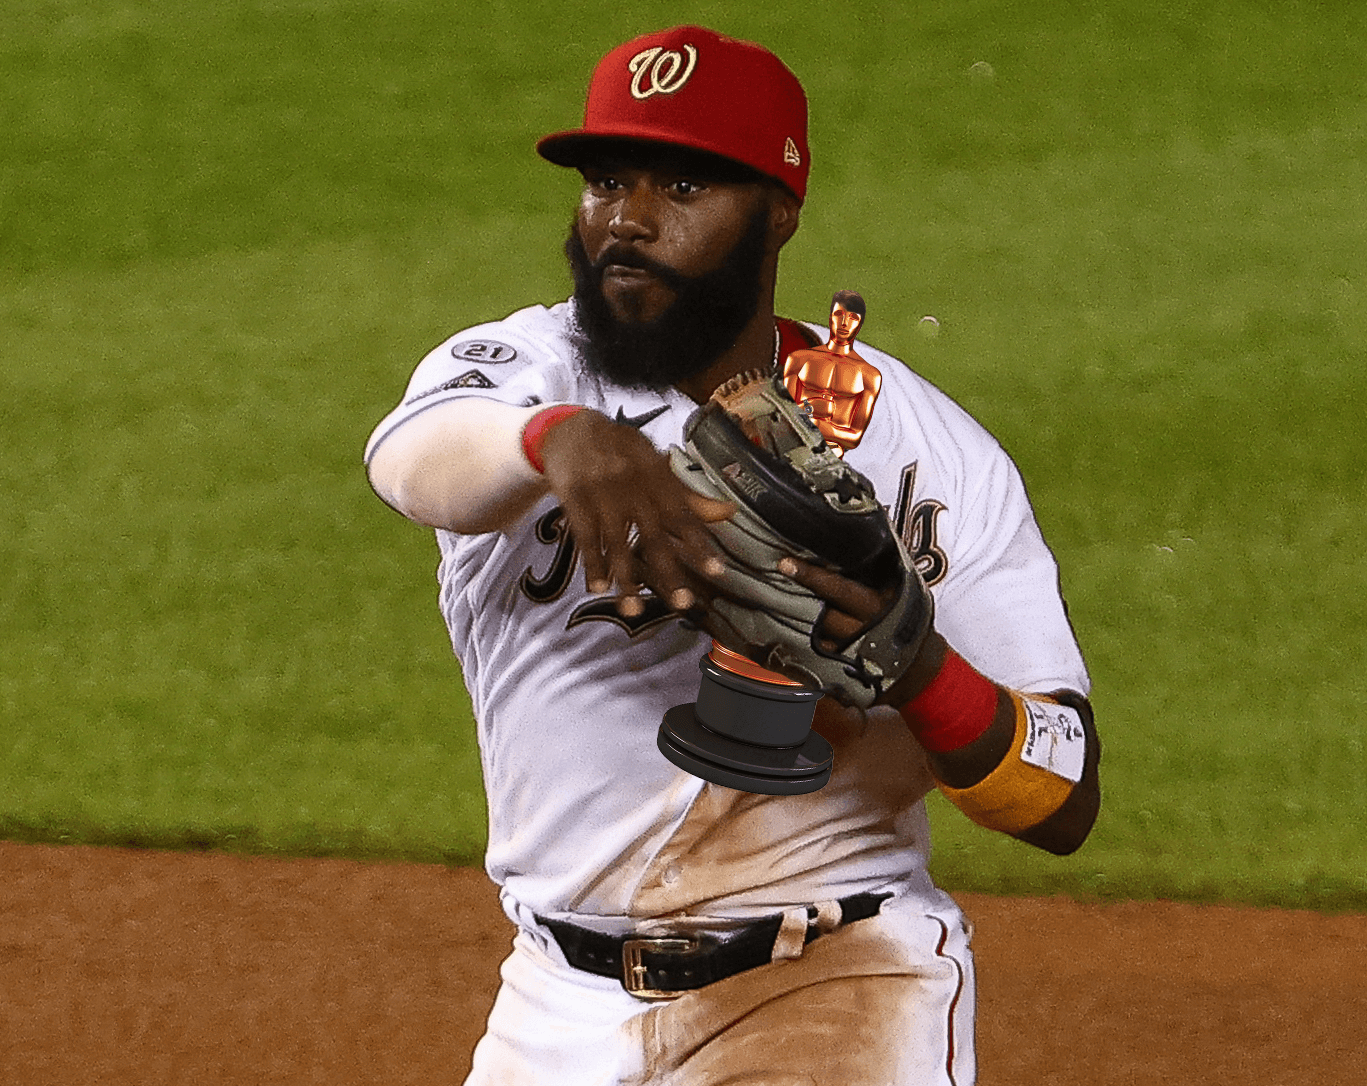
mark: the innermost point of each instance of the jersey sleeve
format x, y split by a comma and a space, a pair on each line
512, 362
1002, 607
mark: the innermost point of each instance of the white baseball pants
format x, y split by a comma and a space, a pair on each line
887, 1001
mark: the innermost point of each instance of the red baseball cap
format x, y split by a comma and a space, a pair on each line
692, 87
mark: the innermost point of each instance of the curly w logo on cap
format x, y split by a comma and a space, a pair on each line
657, 70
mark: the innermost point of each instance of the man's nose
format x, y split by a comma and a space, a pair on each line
634, 217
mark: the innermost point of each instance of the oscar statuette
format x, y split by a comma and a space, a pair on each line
838, 385
751, 728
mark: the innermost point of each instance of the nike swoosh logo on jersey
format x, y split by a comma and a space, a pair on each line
640, 420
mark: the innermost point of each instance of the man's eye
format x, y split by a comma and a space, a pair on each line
685, 187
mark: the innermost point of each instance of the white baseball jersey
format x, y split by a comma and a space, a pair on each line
587, 820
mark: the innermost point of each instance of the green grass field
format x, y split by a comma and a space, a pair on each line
228, 232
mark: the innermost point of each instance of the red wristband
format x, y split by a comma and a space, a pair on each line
954, 709
538, 426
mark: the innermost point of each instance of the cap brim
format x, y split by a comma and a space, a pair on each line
563, 148
577, 147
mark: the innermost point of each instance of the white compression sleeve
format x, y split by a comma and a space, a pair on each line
458, 465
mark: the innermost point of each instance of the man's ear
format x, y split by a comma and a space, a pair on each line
784, 212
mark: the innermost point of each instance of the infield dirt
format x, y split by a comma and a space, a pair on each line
122, 966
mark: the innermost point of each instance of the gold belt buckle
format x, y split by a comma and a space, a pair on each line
634, 970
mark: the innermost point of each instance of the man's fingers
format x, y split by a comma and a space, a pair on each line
584, 530
608, 478
621, 557
647, 535
605, 534
850, 606
673, 570
687, 544
840, 627
687, 526
708, 510
857, 600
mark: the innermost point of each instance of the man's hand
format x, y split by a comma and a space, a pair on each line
634, 522
850, 607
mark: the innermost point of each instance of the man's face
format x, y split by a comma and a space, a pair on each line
668, 265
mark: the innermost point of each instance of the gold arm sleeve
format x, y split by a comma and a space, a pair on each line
1015, 796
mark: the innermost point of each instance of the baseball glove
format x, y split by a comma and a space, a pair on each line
752, 445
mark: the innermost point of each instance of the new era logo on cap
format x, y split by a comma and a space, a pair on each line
692, 87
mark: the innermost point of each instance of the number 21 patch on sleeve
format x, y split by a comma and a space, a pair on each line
1055, 739
483, 350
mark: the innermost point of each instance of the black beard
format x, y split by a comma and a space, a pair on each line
706, 317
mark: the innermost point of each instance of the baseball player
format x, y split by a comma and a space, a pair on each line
670, 930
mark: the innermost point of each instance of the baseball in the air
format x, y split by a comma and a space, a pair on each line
928, 326
981, 72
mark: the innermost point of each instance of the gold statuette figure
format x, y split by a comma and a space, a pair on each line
838, 385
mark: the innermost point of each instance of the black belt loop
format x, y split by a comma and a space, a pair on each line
664, 964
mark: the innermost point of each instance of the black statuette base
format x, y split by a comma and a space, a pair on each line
749, 735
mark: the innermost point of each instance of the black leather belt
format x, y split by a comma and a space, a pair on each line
665, 964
